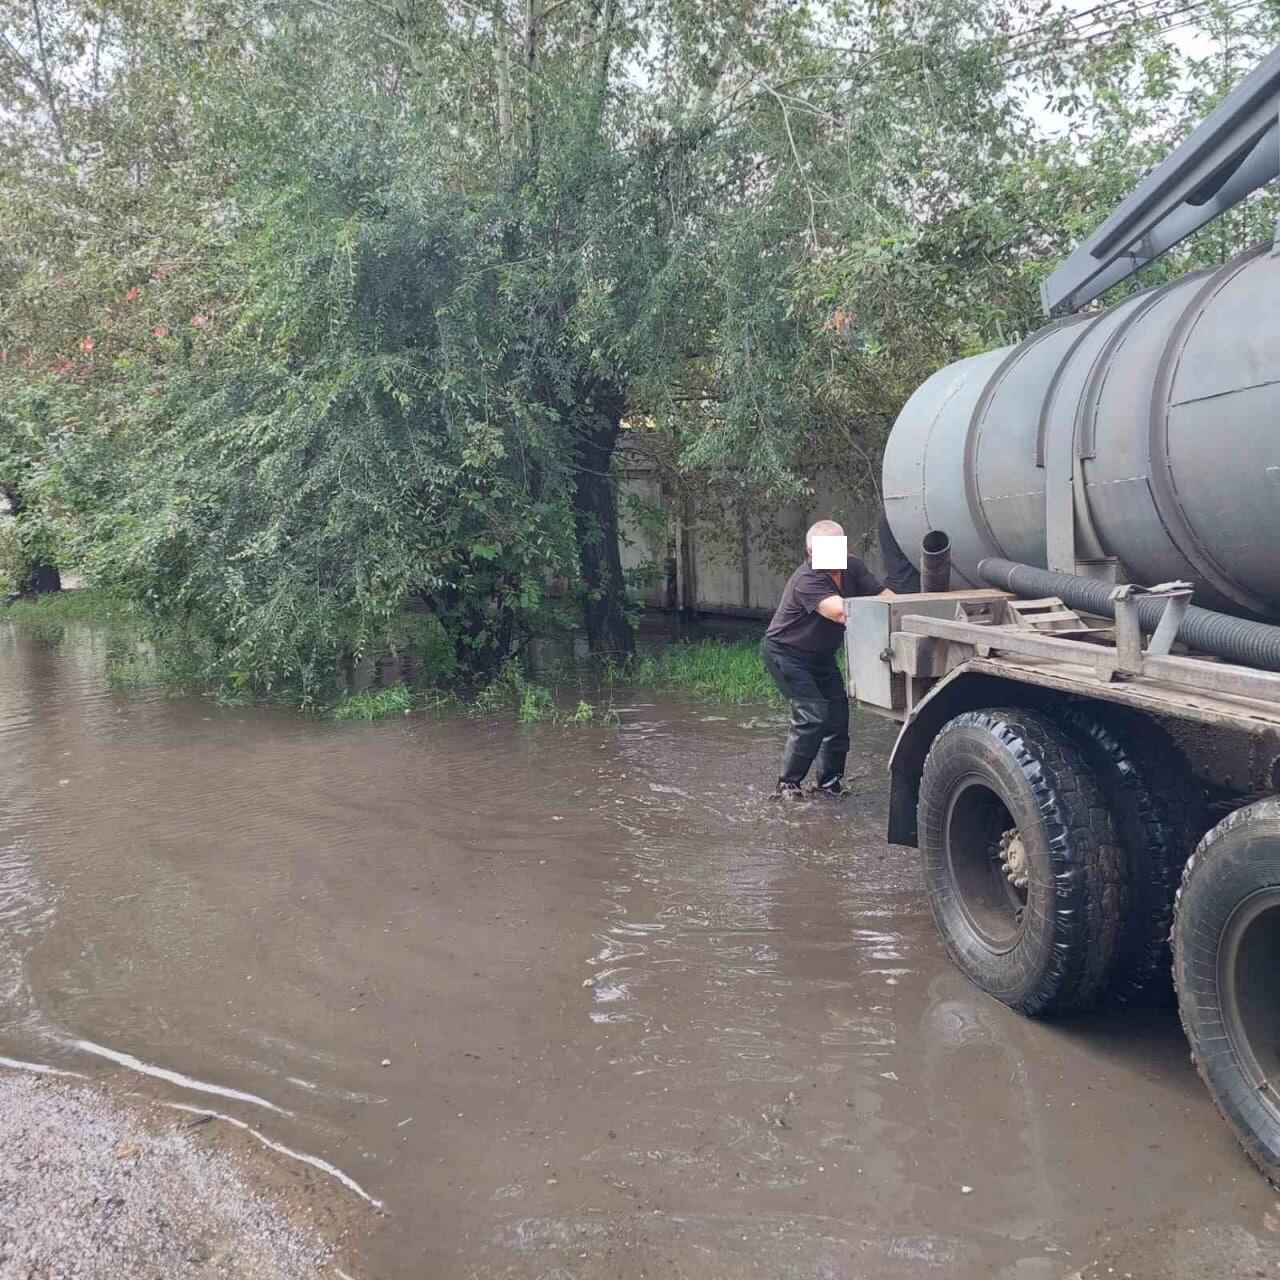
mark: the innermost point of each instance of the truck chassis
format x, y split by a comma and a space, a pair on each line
1078, 796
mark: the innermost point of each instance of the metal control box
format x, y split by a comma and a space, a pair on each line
877, 670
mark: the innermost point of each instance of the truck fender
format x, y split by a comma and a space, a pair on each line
961, 691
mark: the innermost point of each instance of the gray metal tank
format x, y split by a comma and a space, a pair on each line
1148, 433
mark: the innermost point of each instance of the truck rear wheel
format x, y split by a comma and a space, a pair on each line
1021, 860
1226, 944
1154, 801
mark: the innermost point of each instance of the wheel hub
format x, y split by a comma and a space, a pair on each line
1013, 858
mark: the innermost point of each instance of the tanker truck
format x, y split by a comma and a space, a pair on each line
1088, 684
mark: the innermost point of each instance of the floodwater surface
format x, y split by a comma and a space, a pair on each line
576, 1002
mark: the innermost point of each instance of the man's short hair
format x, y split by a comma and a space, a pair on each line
822, 529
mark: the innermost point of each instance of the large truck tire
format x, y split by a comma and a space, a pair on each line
1226, 948
1022, 864
1155, 803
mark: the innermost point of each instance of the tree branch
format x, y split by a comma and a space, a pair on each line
47, 80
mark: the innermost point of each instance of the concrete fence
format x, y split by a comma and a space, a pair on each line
740, 566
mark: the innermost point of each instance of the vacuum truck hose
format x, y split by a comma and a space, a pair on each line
1252, 644
935, 561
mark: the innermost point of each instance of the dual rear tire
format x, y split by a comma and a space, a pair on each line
1053, 846
1021, 860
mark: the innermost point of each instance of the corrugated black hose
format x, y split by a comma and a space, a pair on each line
1252, 644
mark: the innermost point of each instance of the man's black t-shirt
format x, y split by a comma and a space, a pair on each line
797, 621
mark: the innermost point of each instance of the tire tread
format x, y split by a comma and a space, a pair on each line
1084, 849
1195, 968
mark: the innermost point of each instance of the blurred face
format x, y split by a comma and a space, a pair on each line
830, 551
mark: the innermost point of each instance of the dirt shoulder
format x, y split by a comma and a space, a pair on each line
92, 1186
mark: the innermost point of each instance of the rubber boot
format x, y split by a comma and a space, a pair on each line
834, 749
808, 728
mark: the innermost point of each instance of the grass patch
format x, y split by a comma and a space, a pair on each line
374, 704
90, 606
535, 703
137, 670
138, 656
721, 671
589, 713
510, 690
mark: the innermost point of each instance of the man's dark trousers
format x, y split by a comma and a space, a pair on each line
819, 711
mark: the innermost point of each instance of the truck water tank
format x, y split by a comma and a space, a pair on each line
1149, 432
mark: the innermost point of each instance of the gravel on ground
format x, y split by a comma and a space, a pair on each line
91, 1189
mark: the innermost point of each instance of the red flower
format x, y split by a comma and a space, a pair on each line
160, 330
87, 345
198, 319
133, 295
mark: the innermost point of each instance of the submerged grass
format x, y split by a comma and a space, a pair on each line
722, 671
536, 703
138, 656
374, 704
725, 672
532, 703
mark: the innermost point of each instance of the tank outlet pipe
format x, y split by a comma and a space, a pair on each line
1251, 644
935, 561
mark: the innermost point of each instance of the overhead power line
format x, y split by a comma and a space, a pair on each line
1135, 12
1162, 13
1098, 18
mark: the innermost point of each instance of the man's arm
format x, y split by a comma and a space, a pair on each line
833, 606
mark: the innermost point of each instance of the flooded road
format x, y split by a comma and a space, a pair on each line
576, 1002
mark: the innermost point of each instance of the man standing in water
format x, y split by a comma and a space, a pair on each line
800, 649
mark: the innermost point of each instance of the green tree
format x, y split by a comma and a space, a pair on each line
311, 310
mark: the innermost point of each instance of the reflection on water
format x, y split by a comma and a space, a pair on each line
571, 1002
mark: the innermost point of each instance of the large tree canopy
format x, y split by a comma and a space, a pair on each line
309, 310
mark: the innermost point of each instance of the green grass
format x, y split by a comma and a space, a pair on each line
374, 704
534, 702
133, 671
511, 690
131, 661
88, 605
719, 671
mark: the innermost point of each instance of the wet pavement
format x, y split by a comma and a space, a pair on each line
576, 1002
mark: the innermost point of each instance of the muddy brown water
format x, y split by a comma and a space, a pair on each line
576, 1002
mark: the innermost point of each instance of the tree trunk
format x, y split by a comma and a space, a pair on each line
502, 56
41, 579
532, 19
604, 603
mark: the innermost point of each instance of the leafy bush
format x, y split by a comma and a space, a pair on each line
423, 637
13, 561
536, 704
